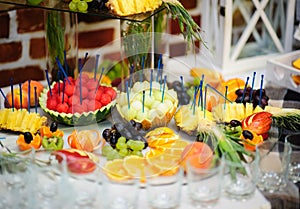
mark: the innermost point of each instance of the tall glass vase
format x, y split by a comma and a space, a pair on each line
61, 43
142, 41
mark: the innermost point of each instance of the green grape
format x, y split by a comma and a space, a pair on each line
137, 145
122, 139
121, 145
123, 152
82, 6
106, 150
73, 6
76, 1
113, 155
88, 0
138, 153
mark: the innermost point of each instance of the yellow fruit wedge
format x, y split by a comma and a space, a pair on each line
115, 170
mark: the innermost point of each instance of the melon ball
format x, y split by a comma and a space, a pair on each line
137, 105
129, 114
154, 113
142, 115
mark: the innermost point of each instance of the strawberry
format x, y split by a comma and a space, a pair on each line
69, 90
92, 85
84, 91
99, 94
79, 108
56, 87
73, 100
97, 105
51, 103
62, 107
105, 99
111, 92
59, 98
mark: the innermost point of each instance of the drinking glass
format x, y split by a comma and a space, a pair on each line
239, 183
204, 177
270, 168
164, 190
120, 194
17, 177
294, 166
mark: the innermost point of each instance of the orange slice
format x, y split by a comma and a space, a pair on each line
138, 167
164, 162
115, 170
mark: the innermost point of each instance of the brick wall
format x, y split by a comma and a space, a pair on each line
22, 41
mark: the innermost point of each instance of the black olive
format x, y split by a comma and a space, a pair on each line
235, 123
28, 137
53, 127
247, 134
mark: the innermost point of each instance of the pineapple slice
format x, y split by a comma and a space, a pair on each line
132, 7
192, 122
21, 120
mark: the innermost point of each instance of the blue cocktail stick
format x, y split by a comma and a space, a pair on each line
12, 93
60, 67
28, 99
163, 93
96, 66
48, 82
252, 86
260, 90
245, 88
21, 97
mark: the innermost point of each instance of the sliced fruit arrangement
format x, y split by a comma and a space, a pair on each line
255, 96
77, 161
87, 140
21, 120
163, 157
27, 141
81, 102
18, 97
152, 105
52, 137
287, 118
119, 145
192, 120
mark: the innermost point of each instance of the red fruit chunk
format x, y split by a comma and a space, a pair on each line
62, 107
84, 91
111, 92
51, 103
99, 94
92, 85
59, 98
57, 86
105, 99
73, 100
69, 90
97, 105
92, 95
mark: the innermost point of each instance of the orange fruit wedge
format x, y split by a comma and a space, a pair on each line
138, 167
86, 140
115, 170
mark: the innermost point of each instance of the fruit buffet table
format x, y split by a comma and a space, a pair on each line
284, 199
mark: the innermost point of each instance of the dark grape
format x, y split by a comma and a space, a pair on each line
28, 137
132, 122
113, 141
239, 92
106, 134
239, 99
53, 127
138, 126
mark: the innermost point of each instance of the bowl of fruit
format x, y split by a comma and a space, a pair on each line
78, 101
150, 103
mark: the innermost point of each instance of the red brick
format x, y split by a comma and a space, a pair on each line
189, 4
30, 20
175, 29
94, 39
20, 75
10, 52
89, 18
4, 22
37, 48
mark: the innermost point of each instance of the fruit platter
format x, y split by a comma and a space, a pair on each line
146, 127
